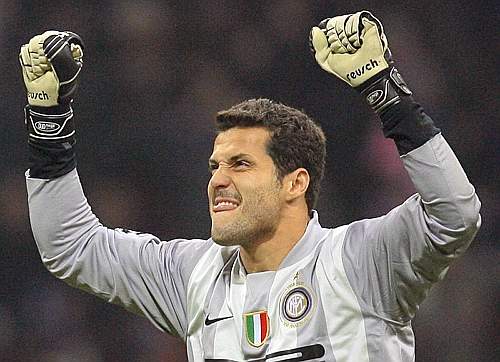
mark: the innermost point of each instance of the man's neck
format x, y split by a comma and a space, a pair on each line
267, 255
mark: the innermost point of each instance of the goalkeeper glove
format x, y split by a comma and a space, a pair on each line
51, 63
354, 48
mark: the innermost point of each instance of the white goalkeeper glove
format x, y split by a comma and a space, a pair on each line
51, 63
354, 48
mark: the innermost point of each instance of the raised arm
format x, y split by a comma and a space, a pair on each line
392, 261
134, 270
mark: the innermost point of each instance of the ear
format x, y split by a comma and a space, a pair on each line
295, 184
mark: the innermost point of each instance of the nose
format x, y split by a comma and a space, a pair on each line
220, 179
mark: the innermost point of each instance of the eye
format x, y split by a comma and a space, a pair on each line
240, 164
212, 167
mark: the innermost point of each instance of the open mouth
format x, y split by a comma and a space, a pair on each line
224, 204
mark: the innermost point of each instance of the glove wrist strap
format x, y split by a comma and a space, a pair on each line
402, 119
385, 91
51, 140
50, 124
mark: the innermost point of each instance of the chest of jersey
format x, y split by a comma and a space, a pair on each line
261, 317
287, 315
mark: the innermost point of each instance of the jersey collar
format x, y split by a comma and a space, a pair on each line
309, 241
304, 247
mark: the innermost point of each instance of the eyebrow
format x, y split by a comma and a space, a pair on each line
213, 162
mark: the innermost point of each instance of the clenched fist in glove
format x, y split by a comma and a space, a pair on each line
51, 63
354, 48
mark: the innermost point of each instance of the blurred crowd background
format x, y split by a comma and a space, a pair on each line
155, 74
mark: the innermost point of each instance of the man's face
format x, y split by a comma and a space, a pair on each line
243, 192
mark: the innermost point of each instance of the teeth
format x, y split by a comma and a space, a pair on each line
226, 203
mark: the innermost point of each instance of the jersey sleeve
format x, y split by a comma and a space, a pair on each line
392, 261
137, 271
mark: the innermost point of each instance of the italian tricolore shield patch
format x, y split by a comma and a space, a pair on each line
257, 327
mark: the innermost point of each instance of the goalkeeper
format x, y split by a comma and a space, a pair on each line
270, 283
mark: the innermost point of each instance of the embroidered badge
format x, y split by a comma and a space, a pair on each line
257, 327
296, 304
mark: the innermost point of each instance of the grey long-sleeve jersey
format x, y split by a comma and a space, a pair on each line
342, 294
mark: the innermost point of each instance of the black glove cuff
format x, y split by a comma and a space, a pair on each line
402, 118
51, 141
48, 160
408, 125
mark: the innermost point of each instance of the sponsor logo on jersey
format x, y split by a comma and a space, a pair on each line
296, 304
47, 127
257, 327
209, 321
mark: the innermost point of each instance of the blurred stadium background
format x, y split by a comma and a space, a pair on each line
155, 74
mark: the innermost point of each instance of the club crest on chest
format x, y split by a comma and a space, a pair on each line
257, 327
296, 304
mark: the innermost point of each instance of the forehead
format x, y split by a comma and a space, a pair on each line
248, 140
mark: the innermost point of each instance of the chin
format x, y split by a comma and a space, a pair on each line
222, 241
223, 236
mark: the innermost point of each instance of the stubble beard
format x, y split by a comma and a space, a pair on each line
257, 221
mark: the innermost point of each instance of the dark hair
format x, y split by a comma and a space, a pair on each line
296, 140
